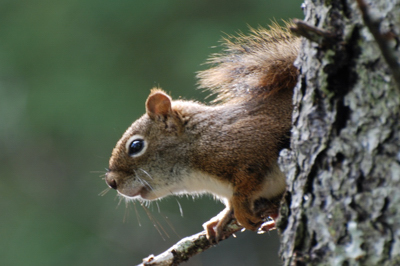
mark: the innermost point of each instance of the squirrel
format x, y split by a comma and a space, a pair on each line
228, 148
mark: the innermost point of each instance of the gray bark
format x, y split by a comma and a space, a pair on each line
343, 201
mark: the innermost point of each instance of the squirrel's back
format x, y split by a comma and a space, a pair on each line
255, 65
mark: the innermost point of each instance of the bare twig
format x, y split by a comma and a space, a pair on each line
312, 33
188, 247
382, 40
198, 243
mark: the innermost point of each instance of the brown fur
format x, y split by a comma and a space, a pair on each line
258, 64
228, 149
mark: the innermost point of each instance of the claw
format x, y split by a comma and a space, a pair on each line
216, 225
266, 226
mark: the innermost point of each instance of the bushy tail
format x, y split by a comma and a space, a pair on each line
258, 64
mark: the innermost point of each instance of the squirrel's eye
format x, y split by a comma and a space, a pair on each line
135, 146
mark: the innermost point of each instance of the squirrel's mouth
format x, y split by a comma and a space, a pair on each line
135, 192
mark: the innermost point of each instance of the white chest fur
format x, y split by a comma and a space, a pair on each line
200, 183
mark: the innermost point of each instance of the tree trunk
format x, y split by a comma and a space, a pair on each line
343, 200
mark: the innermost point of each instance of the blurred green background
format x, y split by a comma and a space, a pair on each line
73, 76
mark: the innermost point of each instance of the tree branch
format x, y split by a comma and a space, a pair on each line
188, 247
312, 33
198, 243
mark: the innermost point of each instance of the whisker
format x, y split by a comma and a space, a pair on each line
145, 173
180, 207
126, 212
96, 172
104, 192
170, 225
141, 181
156, 224
145, 179
120, 200
147, 184
137, 214
144, 182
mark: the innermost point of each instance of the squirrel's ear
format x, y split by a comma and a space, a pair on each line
158, 104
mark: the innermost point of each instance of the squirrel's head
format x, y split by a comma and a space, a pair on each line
149, 159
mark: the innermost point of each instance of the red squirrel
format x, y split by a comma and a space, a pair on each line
228, 148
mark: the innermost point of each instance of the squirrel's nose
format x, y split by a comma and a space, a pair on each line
110, 181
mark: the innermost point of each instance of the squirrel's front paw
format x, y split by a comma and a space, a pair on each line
215, 225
